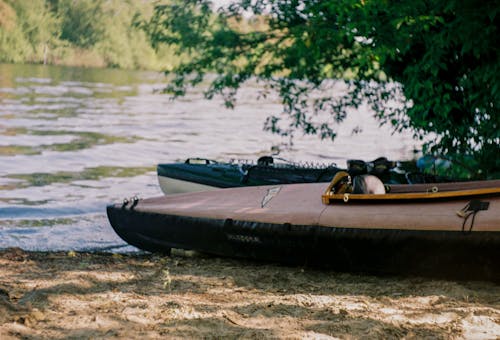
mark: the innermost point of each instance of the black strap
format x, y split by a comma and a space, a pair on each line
471, 209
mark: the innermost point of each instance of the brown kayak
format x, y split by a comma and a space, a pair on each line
451, 228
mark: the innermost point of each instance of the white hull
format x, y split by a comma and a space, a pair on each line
176, 186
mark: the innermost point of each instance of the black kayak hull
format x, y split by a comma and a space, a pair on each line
387, 251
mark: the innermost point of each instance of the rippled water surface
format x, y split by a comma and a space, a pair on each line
73, 140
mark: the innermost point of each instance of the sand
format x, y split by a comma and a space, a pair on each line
87, 295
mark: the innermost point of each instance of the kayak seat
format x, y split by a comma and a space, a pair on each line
367, 184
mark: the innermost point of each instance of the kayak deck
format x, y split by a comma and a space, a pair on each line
300, 204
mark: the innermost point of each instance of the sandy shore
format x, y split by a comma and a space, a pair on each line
85, 295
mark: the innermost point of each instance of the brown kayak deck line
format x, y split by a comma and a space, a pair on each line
455, 231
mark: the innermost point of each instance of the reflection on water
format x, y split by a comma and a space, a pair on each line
76, 178
73, 140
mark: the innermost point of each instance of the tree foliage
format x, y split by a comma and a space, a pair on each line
27, 28
82, 21
429, 66
13, 46
82, 32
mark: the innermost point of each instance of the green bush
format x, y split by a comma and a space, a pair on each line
77, 33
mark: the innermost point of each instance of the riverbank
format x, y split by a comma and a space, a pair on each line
89, 295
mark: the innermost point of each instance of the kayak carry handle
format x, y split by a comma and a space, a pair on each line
197, 160
340, 184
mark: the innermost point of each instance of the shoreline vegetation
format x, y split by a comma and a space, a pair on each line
99, 295
86, 33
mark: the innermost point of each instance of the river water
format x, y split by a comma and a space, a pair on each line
73, 140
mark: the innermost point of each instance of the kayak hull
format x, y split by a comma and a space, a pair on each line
171, 186
210, 174
192, 177
294, 228
436, 253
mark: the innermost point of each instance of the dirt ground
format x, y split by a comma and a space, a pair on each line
88, 295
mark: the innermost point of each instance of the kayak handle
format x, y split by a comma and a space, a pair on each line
340, 184
199, 161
